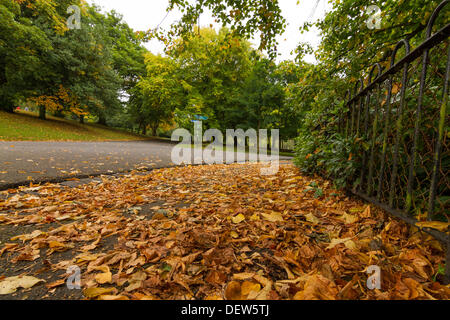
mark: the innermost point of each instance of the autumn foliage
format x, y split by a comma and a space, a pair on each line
216, 232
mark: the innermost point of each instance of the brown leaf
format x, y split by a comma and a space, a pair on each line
233, 291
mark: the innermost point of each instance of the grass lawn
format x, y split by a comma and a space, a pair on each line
27, 126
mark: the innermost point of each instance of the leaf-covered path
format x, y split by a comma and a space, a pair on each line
209, 232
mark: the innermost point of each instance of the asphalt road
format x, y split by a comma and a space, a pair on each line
22, 162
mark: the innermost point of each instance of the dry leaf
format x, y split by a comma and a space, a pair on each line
441, 226
11, 284
95, 292
233, 291
238, 219
273, 217
312, 218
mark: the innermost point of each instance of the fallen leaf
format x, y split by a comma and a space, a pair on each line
105, 276
249, 287
347, 242
233, 291
312, 218
95, 292
238, 219
441, 226
273, 217
112, 297
11, 284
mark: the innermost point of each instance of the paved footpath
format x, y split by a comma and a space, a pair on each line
22, 162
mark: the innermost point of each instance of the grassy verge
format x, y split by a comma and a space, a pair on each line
26, 126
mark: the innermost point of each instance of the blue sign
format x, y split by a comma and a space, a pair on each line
201, 118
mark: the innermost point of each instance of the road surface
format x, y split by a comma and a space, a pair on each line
22, 162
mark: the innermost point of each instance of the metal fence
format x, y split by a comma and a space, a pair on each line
401, 119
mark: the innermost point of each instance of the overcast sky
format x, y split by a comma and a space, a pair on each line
147, 14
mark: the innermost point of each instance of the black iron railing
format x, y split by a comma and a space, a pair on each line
401, 119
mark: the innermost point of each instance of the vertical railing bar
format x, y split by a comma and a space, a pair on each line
440, 136
385, 134
399, 128
353, 118
347, 120
374, 138
412, 163
365, 135
359, 115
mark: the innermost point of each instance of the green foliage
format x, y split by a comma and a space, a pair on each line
246, 17
262, 96
334, 157
349, 47
157, 94
213, 68
77, 72
20, 44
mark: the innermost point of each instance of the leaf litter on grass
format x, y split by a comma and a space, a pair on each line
216, 232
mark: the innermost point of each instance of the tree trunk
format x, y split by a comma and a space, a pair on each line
144, 129
102, 120
155, 130
42, 112
58, 113
6, 104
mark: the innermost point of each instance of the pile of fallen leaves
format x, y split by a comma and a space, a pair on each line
210, 232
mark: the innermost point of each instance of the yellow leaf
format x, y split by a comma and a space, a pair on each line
366, 213
243, 276
312, 218
350, 244
10, 285
238, 219
395, 88
347, 241
273, 217
55, 244
112, 298
95, 292
234, 234
441, 226
317, 287
250, 287
233, 291
348, 218
105, 277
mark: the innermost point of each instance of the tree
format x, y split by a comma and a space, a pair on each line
262, 95
127, 58
349, 46
246, 17
159, 93
214, 67
21, 44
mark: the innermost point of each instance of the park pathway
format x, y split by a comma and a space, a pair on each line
27, 161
